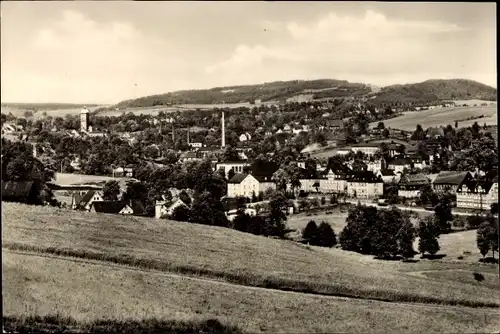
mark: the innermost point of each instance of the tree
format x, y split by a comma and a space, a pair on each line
276, 218
487, 236
406, 237
326, 235
428, 242
494, 208
230, 174
181, 213
207, 210
280, 177
386, 133
111, 190
483, 239
310, 233
418, 134
380, 126
443, 213
427, 195
230, 154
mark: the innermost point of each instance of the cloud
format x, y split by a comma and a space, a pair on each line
81, 59
344, 47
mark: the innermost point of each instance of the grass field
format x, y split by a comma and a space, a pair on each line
39, 285
442, 116
232, 256
80, 179
19, 112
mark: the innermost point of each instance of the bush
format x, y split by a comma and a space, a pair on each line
327, 237
323, 200
333, 199
310, 233
180, 213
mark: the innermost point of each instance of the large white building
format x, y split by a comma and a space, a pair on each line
257, 181
478, 195
365, 185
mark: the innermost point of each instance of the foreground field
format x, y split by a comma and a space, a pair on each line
235, 257
442, 116
40, 285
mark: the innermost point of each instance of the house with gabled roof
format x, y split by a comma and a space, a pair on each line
410, 185
258, 180
237, 166
20, 191
398, 165
478, 194
388, 176
166, 208
83, 203
112, 207
451, 181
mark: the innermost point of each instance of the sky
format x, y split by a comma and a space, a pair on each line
106, 52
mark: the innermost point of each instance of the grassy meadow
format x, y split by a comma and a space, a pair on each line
66, 287
232, 256
442, 116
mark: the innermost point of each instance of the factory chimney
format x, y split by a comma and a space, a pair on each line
223, 132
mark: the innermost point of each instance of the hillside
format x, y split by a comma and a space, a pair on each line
435, 90
277, 90
166, 270
45, 106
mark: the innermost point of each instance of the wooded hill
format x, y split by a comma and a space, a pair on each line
271, 91
420, 93
434, 90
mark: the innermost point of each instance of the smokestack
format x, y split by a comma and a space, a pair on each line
223, 132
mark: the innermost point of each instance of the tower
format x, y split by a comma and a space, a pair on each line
84, 119
223, 132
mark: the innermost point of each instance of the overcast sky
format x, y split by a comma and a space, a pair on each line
104, 52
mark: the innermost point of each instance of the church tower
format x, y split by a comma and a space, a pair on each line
84, 120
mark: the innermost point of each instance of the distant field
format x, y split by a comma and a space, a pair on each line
92, 290
19, 112
230, 255
80, 179
442, 116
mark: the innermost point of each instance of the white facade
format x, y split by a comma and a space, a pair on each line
233, 213
307, 185
365, 189
237, 166
96, 198
127, 210
162, 209
333, 183
248, 186
469, 200
84, 119
409, 193
368, 150
196, 145
399, 168
375, 166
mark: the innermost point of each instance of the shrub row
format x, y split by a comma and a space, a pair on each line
59, 324
248, 279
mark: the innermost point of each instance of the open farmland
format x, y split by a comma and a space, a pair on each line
81, 179
232, 256
19, 112
127, 293
442, 116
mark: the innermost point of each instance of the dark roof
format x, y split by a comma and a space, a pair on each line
109, 206
473, 186
16, 189
400, 162
387, 172
137, 207
263, 171
450, 177
363, 176
335, 123
238, 178
85, 199
414, 180
435, 132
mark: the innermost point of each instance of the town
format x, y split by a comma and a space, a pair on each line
249, 167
